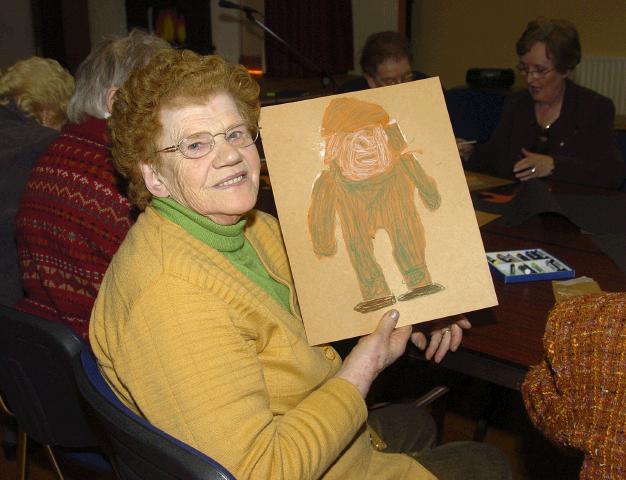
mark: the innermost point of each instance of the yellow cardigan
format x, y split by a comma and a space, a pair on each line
189, 342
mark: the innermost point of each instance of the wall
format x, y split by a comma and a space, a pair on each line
369, 17
226, 31
16, 27
17, 37
235, 36
106, 18
450, 36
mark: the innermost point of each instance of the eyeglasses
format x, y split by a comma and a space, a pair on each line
201, 143
537, 73
408, 77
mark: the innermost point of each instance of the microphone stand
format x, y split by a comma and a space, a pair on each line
325, 78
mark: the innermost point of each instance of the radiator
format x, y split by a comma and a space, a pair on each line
605, 75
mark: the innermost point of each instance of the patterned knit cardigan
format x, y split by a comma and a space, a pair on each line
577, 395
71, 221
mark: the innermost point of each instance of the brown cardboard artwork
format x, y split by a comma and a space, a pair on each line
375, 210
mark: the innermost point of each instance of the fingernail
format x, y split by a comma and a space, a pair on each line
394, 314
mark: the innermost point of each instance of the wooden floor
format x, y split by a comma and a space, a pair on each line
530, 455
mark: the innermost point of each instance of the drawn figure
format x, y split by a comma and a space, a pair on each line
369, 182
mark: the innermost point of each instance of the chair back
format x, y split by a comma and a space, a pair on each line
474, 112
37, 379
137, 448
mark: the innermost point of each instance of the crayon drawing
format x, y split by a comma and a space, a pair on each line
374, 209
369, 183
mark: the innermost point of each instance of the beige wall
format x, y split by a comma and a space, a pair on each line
369, 16
17, 38
450, 36
106, 18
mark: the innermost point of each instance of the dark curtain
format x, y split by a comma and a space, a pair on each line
321, 30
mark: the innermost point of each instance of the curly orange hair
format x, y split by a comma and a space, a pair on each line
173, 78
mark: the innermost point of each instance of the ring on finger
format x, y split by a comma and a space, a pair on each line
533, 170
445, 331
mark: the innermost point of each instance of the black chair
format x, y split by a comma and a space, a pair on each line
620, 139
137, 448
38, 387
474, 112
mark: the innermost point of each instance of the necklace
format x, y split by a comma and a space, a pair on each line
549, 114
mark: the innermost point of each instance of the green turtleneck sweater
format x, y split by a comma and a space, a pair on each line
227, 239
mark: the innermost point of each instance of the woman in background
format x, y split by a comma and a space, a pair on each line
555, 129
34, 94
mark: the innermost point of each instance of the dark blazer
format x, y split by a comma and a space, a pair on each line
22, 140
581, 140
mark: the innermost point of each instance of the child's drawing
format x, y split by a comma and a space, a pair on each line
369, 182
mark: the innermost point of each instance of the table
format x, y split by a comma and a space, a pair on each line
505, 340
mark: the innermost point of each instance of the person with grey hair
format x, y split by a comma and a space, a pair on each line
73, 213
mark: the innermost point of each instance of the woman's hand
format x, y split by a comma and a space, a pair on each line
466, 148
374, 352
533, 165
441, 340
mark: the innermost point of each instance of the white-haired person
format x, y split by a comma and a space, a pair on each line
73, 213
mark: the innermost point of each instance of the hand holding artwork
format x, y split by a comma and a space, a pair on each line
533, 165
375, 352
442, 340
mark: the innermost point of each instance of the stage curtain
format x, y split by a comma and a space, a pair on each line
319, 29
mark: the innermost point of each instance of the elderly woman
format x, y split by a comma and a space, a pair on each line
196, 325
555, 129
33, 101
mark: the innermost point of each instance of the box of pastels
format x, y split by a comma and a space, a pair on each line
527, 265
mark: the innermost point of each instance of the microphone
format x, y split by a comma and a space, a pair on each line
236, 6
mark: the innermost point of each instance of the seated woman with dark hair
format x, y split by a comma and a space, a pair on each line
555, 129
196, 325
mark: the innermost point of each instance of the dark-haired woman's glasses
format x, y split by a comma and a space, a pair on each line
386, 82
201, 143
537, 73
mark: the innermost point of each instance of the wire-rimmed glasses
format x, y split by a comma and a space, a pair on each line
201, 143
386, 82
540, 72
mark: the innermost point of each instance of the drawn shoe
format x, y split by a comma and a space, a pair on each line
375, 304
420, 292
